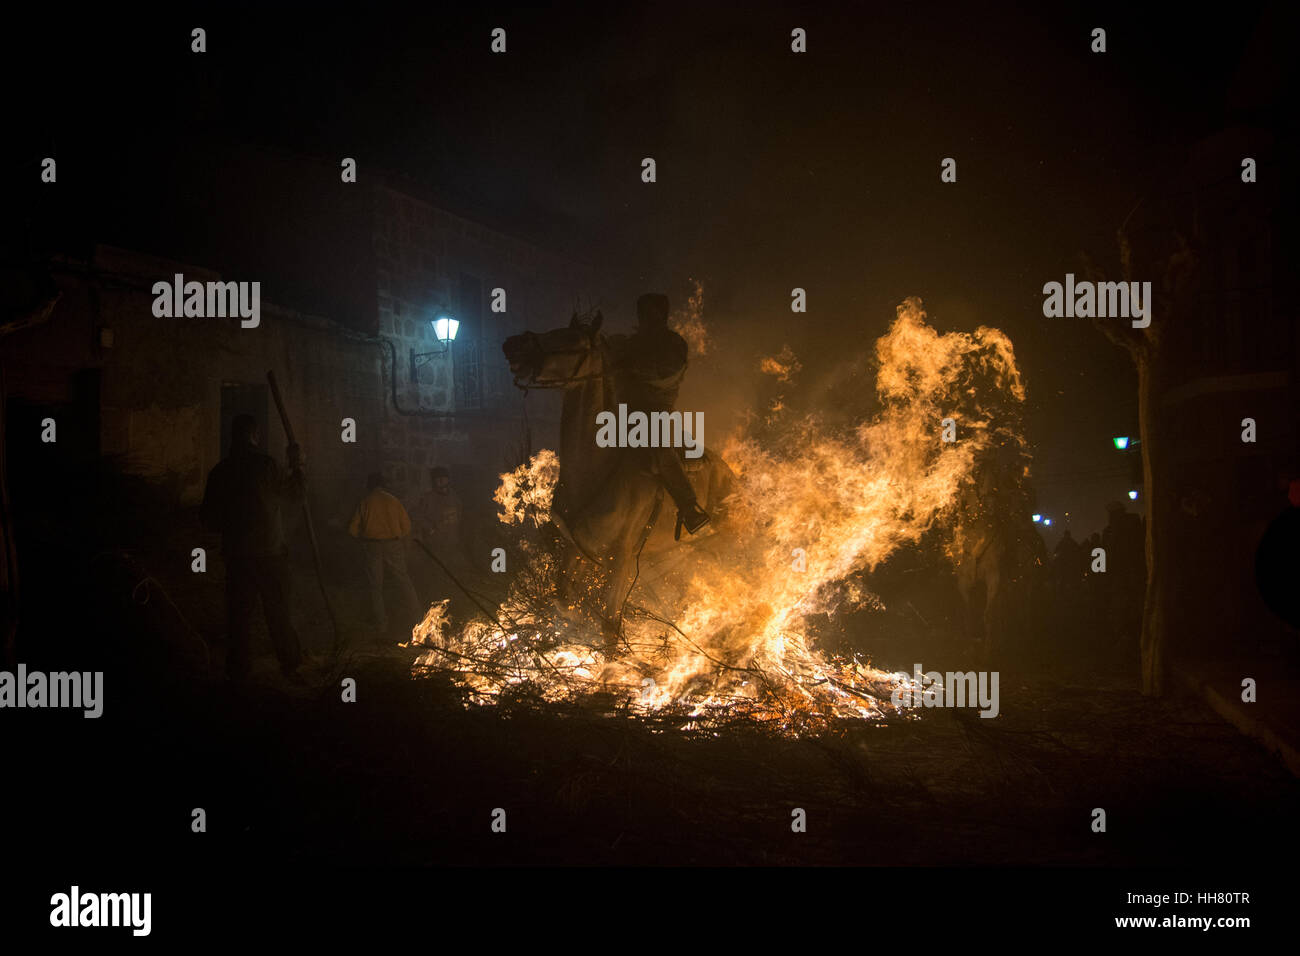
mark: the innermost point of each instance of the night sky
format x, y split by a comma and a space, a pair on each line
774, 170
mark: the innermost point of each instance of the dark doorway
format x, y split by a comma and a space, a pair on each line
57, 504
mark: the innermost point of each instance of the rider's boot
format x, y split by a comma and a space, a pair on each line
672, 473
693, 518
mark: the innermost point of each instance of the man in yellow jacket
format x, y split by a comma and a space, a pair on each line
382, 525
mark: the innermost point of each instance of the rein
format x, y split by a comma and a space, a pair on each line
556, 383
563, 381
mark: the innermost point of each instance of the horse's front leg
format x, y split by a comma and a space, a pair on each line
993, 616
966, 602
566, 569
617, 585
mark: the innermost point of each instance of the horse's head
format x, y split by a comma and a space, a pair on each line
560, 358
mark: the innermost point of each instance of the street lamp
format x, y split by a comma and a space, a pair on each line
1121, 442
1037, 518
1132, 496
445, 328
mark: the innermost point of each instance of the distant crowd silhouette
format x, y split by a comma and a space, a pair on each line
1088, 599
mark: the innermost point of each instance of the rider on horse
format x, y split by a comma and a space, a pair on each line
651, 365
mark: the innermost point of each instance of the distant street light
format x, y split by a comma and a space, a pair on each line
1047, 521
1132, 496
1121, 442
1037, 518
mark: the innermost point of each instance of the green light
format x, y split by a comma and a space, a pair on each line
1121, 442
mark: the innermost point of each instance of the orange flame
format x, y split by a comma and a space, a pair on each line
688, 322
784, 365
525, 493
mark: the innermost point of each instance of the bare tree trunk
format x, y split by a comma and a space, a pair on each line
1150, 350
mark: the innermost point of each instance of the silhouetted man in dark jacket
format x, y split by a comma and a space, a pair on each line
242, 500
653, 364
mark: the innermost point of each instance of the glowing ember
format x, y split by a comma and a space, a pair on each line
718, 625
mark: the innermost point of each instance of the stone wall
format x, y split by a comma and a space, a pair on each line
421, 254
161, 379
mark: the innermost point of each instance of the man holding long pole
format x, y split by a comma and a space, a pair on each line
306, 510
242, 500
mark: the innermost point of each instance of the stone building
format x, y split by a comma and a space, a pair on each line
351, 276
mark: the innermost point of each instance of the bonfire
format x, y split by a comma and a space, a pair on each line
719, 629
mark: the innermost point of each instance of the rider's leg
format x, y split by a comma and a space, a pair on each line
673, 474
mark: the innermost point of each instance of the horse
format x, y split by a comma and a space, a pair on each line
999, 561
996, 573
608, 508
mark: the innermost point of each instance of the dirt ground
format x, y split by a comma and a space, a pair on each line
409, 775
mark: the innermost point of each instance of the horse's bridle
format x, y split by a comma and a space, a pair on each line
556, 382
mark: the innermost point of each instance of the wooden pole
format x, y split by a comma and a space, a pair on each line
306, 512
